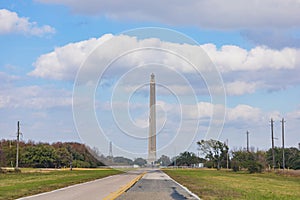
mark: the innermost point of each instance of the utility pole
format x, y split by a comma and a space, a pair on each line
247, 141
110, 154
282, 131
18, 139
175, 164
272, 137
227, 156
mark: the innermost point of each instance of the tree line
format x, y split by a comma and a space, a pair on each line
217, 155
45, 155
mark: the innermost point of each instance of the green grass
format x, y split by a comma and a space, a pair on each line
14, 185
212, 184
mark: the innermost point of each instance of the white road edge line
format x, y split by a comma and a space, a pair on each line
64, 188
185, 188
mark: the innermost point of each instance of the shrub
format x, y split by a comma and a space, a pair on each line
255, 167
17, 170
235, 166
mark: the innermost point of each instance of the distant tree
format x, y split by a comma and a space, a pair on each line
63, 157
140, 161
41, 155
9, 150
213, 150
252, 161
80, 164
164, 160
122, 161
58, 154
292, 157
187, 159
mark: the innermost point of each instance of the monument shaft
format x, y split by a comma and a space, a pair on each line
152, 123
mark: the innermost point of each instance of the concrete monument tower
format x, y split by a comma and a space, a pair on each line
152, 123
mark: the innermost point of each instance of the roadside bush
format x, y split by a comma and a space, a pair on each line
17, 170
235, 166
209, 164
255, 167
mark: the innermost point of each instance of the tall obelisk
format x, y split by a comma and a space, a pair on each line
152, 123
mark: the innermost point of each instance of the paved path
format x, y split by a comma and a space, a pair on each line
157, 185
97, 189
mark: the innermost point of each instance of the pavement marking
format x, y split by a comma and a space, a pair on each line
157, 185
124, 188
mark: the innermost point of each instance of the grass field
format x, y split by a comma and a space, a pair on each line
32, 181
212, 184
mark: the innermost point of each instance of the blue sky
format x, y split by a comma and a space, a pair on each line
253, 46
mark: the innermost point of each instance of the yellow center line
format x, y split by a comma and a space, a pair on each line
124, 188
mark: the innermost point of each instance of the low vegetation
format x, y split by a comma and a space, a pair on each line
221, 184
33, 181
217, 155
45, 155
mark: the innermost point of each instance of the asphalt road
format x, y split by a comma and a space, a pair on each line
97, 189
157, 185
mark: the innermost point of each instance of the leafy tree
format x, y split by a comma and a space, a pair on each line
39, 156
213, 150
122, 161
292, 157
45, 155
187, 159
140, 161
252, 161
164, 160
80, 164
63, 157
8, 156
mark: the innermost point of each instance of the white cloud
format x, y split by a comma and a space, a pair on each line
294, 115
240, 88
234, 58
10, 22
244, 113
205, 13
63, 62
261, 67
35, 97
7, 78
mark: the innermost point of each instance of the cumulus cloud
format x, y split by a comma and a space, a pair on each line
64, 62
240, 87
6, 79
204, 111
206, 13
244, 113
244, 71
34, 97
234, 58
274, 38
10, 22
